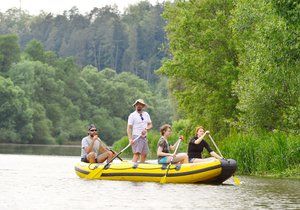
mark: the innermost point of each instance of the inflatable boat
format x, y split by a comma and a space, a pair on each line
213, 172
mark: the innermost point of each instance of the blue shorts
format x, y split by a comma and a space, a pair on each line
163, 160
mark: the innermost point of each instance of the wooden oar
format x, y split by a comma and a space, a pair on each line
163, 179
235, 179
97, 172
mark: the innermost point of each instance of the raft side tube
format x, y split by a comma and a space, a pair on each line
229, 167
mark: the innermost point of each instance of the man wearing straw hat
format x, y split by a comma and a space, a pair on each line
139, 123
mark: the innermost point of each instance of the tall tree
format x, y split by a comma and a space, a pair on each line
203, 64
15, 114
268, 49
9, 52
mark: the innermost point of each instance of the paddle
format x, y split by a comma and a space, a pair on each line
163, 179
95, 172
109, 149
235, 179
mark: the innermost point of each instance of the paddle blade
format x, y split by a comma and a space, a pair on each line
95, 173
236, 180
163, 179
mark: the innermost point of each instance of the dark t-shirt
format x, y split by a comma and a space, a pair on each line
164, 145
195, 150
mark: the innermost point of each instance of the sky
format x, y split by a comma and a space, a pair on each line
58, 6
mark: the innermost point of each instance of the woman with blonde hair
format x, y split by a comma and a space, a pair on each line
196, 146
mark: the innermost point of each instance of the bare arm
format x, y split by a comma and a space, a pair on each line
149, 126
161, 153
129, 132
90, 147
213, 154
172, 147
102, 147
201, 138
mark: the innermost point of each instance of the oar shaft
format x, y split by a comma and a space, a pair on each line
163, 179
235, 179
117, 155
177, 146
109, 149
215, 145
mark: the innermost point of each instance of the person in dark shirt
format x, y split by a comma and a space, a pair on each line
196, 146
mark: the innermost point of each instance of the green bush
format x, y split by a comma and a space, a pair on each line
265, 154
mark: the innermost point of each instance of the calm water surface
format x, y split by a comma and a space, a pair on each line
49, 182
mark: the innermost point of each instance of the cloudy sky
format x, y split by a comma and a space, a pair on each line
58, 6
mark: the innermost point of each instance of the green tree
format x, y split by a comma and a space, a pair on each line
34, 51
16, 116
9, 52
268, 85
203, 64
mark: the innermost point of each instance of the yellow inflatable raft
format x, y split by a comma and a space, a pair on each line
215, 172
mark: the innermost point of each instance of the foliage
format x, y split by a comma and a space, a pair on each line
203, 66
263, 153
16, 116
9, 52
268, 67
104, 37
64, 99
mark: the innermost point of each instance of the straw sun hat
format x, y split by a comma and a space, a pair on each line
141, 101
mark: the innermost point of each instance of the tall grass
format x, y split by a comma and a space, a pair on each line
264, 154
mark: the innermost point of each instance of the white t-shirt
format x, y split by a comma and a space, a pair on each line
138, 121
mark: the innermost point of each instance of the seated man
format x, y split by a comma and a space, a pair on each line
92, 149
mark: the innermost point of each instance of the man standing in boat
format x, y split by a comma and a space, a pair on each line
93, 150
139, 123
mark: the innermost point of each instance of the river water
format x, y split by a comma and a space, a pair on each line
49, 182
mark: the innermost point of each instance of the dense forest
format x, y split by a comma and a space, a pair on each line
60, 73
46, 99
133, 41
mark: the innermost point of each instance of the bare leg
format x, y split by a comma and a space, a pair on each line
181, 158
106, 155
136, 157
143, 158
205, 160
91, 157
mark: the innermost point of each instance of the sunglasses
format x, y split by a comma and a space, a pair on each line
141, 116
93, 130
